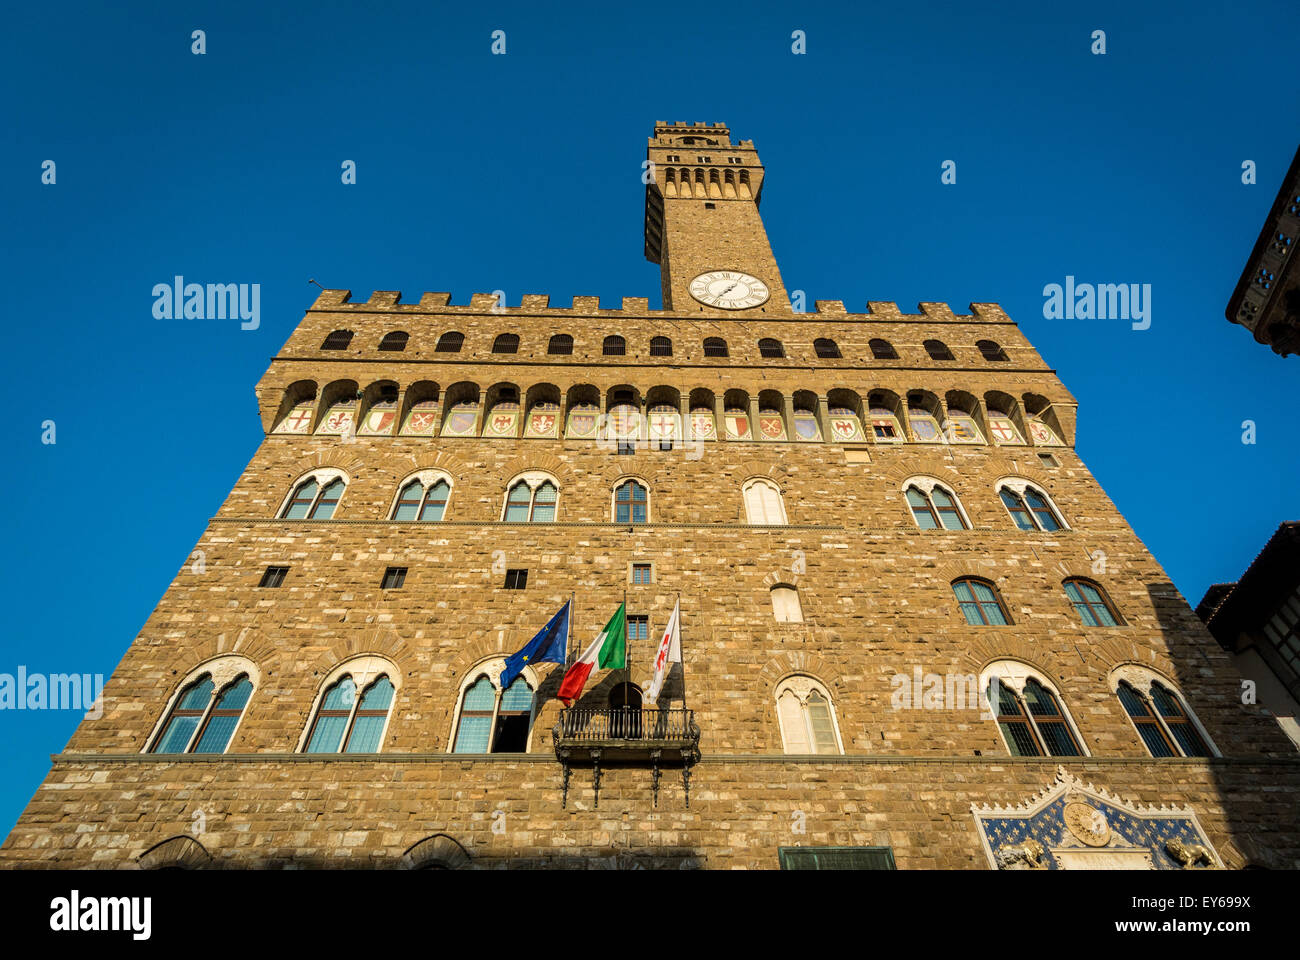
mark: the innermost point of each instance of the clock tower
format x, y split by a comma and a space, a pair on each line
702, 224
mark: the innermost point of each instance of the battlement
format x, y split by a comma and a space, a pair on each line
382, 301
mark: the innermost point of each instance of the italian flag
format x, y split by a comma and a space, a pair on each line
608, 651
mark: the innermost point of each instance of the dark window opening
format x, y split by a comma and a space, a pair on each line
394, 577
516, 579
273, 576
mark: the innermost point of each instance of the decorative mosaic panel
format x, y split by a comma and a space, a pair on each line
502, 421
737, 424
298, 419
1076, 826
339, 420
664, 422
805, 426
422, 421
582, 421
461, 419
845, 425
379, 419
771, 426
702, 426
1003, 429
543, 421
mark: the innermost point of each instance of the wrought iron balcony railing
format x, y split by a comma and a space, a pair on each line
627, 736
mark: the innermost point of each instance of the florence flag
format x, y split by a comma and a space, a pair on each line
608, 651
669, 652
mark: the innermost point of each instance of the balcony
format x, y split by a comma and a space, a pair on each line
627, 737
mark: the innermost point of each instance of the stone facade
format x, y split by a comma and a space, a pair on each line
875, 591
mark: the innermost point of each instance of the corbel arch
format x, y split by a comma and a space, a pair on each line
175, 853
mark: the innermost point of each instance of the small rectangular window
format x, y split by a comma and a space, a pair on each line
710, 206
273, 577
638, 628
1048, 460
640, 573
836, 858
627, 447
516, 579
394, 577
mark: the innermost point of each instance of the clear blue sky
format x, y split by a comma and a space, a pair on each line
521, 172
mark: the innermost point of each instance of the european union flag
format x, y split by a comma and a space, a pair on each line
549, 646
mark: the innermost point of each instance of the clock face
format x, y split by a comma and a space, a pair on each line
729, 290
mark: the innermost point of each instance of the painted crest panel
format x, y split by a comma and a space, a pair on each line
665, 422
702, 426
502, 421
1003, 429
737, 424
339, 420
379, 419
543, 421
422, 420
771, 425
460, 420
298, 420
582, 421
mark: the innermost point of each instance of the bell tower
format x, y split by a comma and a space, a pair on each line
702, 224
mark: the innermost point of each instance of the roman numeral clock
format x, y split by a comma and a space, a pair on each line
729, 290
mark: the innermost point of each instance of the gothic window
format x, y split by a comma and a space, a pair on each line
560, 345
614, 346
506, 343
315, 497
492, 720
826, 349
394, 341
1159, 714
203, 719
938, 350
348, 722
715, 347
980, 603
934, 507
532, 499
1030, 716
771, 349
991, 351
1091, 603
883, 350
631, 503
423, 498
661, 347
338, 340
450, 343
806, 717
763, 503
786, 607
1029, 507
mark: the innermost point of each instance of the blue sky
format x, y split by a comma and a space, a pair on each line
521, 172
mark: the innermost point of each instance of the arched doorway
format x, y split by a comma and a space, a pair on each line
625, 711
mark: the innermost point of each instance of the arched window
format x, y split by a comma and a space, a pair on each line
203, 716
771, 349
394, 341
1162, 720
786, 607
715, 347
315, 497
492, 720
1031, 719
806, 717
338, 340
423, 499
826, 349
614, 346
450, 343
661, 347
980, 603
763, 503
506, 343
1091, 603
1029, 506
883, 350
631, 503
934, 507
532, 499
938, 350
202, 723
346, 723
560, 345
990, 351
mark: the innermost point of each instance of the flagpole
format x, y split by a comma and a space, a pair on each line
679, 647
